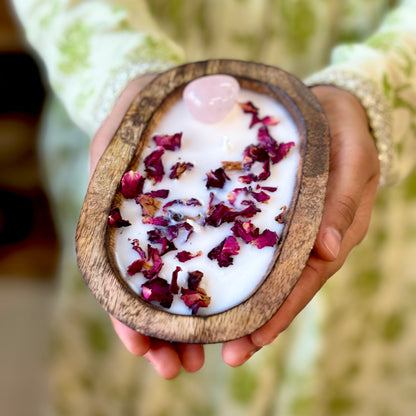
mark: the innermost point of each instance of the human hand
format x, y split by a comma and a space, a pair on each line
352, 185
351, 190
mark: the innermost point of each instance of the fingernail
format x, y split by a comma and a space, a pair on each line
332, 241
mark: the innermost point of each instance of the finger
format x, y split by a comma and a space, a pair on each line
316, 273
308, 285
192, 356
237, 352
136, 343
164, 358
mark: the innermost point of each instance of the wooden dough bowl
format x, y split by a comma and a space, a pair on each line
94, 239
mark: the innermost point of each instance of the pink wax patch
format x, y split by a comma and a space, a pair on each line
209, 99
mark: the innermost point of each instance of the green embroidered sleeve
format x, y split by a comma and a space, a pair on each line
92, 49
382, 73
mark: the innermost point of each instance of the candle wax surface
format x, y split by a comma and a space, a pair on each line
206, 146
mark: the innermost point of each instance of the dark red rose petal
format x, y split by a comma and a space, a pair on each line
247, 179
283, 151
136, 247
154, 263
194, 279
168, 142
265, 174
267, 188
216, 178
136, 267
269, 121
161, 193
158, 221
275, 151
158, 290
115, 220
245, 230
154, 166
132, 184
254, 153
249, 107
281, 218
184, 255
260, 196
266, 239
225, 251
221, 213
174, 288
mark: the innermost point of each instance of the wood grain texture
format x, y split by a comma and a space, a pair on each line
94, 240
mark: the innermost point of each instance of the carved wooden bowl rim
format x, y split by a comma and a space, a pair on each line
94, 239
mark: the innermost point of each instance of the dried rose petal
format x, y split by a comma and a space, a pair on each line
224, 251
150, 206
161, 193
132, 184
165, 244
247, 179
269, 121
159, 221
260, 196
168, 142
233, 195
265, 174
221, 213
184, 255
179, 168
245, 230
228, 165
136, 247
249, 107
267, 188
275, 151
193, 202
254, 153
174, 288
195, 299
158, 290
216, 178
250, 211
266, 239
154, 166
281, 218
194, 279
135, 267
154, 263
283, 151
159, 236
115, 220
188, 202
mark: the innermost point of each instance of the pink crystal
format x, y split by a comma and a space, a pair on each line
209, 99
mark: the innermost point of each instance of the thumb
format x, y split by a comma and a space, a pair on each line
353, 165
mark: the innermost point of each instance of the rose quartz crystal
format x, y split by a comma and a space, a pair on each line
209, 99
